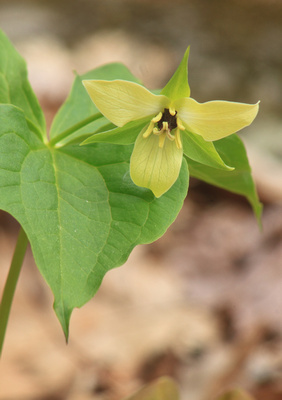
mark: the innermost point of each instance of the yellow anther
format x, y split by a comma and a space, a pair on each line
164, 129
165, 126
156, 131
152, 123
162, 140
178, 139
157, 118
148, 131
172, 111
170, 136
180, 125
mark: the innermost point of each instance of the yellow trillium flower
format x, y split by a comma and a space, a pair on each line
158, 151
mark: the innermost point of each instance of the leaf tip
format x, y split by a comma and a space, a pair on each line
63, 314
258, 214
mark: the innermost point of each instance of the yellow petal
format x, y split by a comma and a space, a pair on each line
154, 167
123, 101
215, 119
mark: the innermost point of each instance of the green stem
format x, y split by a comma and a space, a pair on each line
10, 284
74, 128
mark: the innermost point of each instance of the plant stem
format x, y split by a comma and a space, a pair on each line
74, 128
10, 284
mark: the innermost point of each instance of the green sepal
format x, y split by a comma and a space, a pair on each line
198, 149
178, 86
126, 134
239, 181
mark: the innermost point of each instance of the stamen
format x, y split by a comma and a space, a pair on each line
164, 131
157, 132
178, 139
172, 111
162, 140
157, 117
180, 125
148, 131
170, 136
165, 126
153, 121
166, 122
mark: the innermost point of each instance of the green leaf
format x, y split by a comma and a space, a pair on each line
78, 116
126, 134
163, 388
198, 149
178, 86
79, 208
15, 88
240, 181
235, 394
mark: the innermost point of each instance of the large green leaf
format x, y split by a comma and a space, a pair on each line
79, 208
15, 88
240, 181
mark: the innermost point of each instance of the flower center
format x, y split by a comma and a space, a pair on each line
169, 118
166, 122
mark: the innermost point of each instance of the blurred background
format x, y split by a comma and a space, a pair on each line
203, 303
